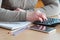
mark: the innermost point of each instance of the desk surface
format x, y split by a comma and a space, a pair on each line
30, 35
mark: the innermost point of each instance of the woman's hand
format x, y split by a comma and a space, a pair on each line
33, 16
36, 15
18, 9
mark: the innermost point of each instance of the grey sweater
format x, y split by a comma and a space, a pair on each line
7, 6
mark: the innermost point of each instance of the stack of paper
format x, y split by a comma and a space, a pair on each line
15, 26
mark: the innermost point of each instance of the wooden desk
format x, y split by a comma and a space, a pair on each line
30, 35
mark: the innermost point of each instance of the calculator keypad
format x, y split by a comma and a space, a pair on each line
50, 21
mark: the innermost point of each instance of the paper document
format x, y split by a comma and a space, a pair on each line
14, 25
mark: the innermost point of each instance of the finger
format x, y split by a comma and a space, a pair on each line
43, 17
18, 9
22, 10
40, 19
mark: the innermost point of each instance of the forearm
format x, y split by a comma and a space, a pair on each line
22, 16
7, 15
51, 9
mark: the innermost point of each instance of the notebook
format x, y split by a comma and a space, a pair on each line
14, 25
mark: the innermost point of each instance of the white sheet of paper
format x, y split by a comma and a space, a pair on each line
14, 25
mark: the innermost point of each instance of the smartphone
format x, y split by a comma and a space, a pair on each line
40, 28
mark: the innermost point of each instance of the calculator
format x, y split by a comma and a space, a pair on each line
52, 22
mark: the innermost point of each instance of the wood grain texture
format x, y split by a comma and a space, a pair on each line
30, 35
